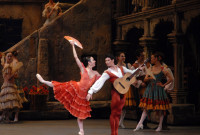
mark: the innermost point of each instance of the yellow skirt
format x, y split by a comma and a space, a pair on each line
130, 98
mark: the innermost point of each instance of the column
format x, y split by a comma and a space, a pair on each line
177, 1
120, 45
147, 41
147, 5
42, 61
120, 8
179, 94
118, 32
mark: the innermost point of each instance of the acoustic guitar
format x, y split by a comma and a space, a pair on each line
122, 84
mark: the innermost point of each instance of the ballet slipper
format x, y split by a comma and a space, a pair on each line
138, 127
16, 120
121, 121
81, 133
39, 77
122, 125
159, 129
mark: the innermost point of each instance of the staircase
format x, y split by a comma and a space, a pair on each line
45, 51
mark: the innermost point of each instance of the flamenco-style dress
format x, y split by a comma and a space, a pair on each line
9, 96
73, 94
154, 97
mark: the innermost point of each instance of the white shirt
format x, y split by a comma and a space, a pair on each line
100, 82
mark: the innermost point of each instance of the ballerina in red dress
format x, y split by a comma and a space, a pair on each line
73, 94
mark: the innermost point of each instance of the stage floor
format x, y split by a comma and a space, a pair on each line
92, 127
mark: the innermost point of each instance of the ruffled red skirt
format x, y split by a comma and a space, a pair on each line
73, 98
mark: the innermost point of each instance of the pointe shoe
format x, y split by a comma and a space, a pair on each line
159, 129
81, 133
16, 120
138, 127
122, 125
39, 77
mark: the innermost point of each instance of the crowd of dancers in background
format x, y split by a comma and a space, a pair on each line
147, 93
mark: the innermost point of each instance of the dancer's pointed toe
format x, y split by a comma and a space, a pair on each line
122, 125
81, 133
158, 129
138, 127
39, 77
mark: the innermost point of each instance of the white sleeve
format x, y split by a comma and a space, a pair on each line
128, 70
99, 83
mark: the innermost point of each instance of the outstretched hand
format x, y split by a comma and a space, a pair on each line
88, 97
71, 42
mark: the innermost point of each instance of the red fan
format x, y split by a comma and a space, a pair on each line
73, 41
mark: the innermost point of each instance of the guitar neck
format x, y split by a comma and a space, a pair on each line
136, 71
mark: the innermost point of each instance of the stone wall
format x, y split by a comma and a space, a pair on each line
88, 21
30, 11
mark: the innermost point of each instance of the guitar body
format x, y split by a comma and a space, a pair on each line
123, 84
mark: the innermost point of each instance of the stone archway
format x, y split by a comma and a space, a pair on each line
133, 36
192, 60
162, 29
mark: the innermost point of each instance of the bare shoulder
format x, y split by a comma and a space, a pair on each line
96, 72
165, 70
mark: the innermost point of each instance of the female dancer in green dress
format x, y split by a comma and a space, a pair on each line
154, 97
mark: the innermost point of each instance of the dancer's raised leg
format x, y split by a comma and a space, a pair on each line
39, 77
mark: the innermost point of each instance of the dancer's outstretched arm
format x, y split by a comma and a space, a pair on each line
77, 59
97, 85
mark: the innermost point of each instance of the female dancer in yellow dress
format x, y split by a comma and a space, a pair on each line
73, 94
10, 100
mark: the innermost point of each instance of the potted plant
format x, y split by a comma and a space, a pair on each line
38, 97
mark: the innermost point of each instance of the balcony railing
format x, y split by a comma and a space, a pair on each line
134, 6
140, 5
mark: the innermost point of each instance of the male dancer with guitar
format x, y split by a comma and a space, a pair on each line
129, 96
117, 100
